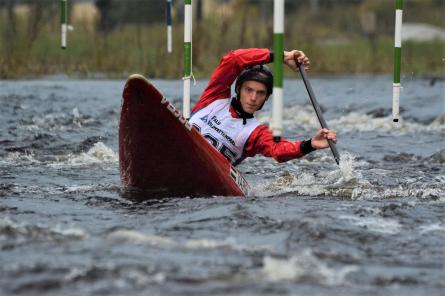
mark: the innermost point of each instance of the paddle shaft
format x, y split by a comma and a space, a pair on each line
318, 111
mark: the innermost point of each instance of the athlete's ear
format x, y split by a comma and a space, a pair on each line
237, 89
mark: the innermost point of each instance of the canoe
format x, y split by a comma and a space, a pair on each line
161, 153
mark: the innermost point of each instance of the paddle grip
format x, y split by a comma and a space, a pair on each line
318, 111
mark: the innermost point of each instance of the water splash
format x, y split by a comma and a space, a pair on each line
103, 153
304, 267
352, 179
339, 181
99, 153
18, 158
347, 166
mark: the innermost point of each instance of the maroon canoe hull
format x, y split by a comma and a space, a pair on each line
160, 152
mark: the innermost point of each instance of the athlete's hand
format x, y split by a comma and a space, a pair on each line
320, 140
291, 58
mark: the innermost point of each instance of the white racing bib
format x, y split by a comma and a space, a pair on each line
225, 133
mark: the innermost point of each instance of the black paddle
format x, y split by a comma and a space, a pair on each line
318, 111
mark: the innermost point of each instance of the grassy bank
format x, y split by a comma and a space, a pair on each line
31, 48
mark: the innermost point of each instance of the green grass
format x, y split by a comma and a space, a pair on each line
142, 49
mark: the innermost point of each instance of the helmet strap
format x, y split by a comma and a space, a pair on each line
236, 104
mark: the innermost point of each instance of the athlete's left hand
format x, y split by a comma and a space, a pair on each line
319, 141
291, 58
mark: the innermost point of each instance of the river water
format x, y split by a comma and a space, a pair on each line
375, 225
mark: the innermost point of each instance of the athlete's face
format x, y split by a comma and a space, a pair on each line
252, 95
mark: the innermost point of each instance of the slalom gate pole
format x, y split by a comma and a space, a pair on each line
397, 60
318, 111
187, 57
169, 25
277, 105
64, 21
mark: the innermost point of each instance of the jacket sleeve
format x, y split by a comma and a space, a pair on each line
228, 69
261, 142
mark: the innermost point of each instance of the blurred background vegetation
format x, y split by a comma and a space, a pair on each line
114, 38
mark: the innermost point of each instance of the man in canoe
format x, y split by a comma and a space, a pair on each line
229, 123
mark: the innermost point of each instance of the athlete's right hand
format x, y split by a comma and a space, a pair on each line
320, 140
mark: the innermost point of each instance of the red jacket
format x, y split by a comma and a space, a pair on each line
261, 139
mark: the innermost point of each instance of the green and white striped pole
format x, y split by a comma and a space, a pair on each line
64, 21
397, 60
277, 105
187, 57
169, 25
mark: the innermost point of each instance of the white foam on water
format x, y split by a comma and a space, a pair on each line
397, 192
31, 127
286, 183
134, 276
99, 153
304, 116
57, 121
348, 180
433, 192
47, 122
136, 237
304, 267
45, 191
436, 227
337, 185
341, 181
79, 119
18, 158
210, 244
356, 122
142, 279
79, 188
35, 189
71, 232
439, 122
229, 243
375, 224
27, 230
